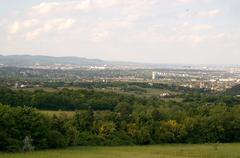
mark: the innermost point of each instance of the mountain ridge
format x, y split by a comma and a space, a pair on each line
30, 60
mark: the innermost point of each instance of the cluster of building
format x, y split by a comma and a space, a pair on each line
214, 80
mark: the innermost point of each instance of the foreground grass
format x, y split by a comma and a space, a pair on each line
157, 151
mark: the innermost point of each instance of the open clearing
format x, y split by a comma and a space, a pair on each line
156, 151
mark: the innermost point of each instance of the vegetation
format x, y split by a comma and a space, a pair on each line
63, 99
70, 99
111, 119
24, 128
156, 151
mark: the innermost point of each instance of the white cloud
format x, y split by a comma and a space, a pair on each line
32, 35
200, 14
84, 5
70, 6
186, 33
213, 37
45, 7
99, 35
66, 24
184, 1
114, 24
188, 28
14, 28
207, 14
103, 4
192, 1
213, 13
18, 26
29, 23
136, 9
200, 27
53, 25
102, 30
196, 39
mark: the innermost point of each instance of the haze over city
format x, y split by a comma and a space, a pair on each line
152, 31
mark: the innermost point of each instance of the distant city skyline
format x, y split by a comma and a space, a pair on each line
143, 31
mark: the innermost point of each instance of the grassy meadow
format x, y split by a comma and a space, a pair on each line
155, 151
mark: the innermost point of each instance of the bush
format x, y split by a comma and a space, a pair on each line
56, 140
119, 138
13, 145
86, 138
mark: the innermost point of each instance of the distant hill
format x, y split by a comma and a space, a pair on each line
235, 90
39, 61
36, 61
29, 60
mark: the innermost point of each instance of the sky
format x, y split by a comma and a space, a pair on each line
149, 31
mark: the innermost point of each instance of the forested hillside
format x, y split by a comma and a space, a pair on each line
105, 118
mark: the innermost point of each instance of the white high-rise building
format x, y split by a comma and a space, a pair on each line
153, 76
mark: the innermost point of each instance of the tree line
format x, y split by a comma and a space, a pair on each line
25, 128
69, 99
65, 99
106, 118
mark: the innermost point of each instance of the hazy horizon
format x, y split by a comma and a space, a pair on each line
142, 31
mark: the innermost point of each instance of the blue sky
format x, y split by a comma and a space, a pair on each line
153, 31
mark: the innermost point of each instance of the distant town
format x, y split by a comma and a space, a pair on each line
217, 78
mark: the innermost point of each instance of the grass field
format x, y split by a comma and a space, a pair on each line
156, 151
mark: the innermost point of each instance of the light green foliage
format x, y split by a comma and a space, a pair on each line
160, 151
